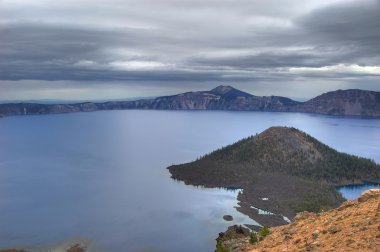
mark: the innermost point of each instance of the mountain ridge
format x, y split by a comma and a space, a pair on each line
351, 102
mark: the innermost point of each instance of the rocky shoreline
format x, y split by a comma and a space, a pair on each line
353, 226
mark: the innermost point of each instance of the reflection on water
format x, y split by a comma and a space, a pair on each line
351, 192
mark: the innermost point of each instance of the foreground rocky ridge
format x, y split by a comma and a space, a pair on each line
354, 226
353, 102
282, 171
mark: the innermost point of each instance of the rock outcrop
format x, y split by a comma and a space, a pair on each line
354, 226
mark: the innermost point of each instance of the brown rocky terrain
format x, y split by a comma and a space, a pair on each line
354, 226
353, 102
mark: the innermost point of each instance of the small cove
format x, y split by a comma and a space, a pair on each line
351, 192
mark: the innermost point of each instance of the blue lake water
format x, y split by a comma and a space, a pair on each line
351, 192
101, 177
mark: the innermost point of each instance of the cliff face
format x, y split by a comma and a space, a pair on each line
341, 102
354, 226
344, 102
10, 109
219, 98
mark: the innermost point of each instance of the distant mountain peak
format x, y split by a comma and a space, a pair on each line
228, 91
222, 89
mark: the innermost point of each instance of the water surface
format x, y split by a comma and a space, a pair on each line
351, 192
102, 176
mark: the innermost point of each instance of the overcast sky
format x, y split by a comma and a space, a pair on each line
114, 49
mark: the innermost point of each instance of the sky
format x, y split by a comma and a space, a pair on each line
120, 49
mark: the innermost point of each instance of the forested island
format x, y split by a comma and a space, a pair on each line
282, 171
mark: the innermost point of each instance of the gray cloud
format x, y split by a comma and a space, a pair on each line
337, 34
178, 42
351, 30
265, 60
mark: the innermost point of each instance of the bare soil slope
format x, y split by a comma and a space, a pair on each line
354, 226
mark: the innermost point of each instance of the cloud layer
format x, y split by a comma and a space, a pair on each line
178, 44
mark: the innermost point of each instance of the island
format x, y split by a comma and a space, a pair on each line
281, 171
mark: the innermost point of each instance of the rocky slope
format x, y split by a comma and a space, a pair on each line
341, 102
221, 98
282, 171
344, 102
354, 226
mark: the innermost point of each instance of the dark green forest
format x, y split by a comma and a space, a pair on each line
295, 170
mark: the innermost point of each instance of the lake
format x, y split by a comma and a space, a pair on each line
101, 177
351, 192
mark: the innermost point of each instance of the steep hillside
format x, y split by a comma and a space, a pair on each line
220, 98
288, 150
290, 169
354, 226
344, 102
